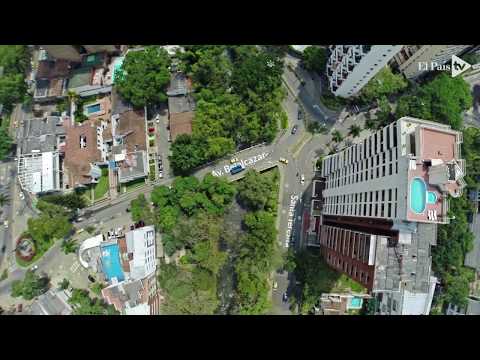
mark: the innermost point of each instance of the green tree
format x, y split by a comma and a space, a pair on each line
84, 305
140, 210
337, 136
52, 224
443, 99
5, 143
354, 130
255, 190
315, 59
72, 201
161, 196
4, 199
30, 287
64, 284
144, 76
69, 246
12, 89
384, 83
167, 216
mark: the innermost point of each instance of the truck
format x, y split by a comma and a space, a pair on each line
236, 169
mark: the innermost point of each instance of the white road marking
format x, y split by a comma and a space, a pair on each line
74, 267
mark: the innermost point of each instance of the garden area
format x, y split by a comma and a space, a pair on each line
317, 278
100, 189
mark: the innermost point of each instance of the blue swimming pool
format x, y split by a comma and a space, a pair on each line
112, 268
418, 194
431, 197
93, 108
356, 303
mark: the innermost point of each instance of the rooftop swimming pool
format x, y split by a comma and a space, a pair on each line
431, 197
356, 302
418, 194
111, 265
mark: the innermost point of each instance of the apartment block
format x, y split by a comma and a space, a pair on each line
405, 171
376, 207
411, 57
350, 67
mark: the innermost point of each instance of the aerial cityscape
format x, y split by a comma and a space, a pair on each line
240, 180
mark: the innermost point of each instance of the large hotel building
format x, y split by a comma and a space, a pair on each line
376, 206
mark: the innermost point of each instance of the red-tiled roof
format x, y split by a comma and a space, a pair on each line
78, 160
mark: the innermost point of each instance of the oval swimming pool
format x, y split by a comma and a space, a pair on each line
418, 194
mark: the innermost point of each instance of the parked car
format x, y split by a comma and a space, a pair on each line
160, 174
302, 179
4, 247
294, 129
283, 160
5, 223
34, 268
300, 115
285, 297
21, 196
233, 160
91, 278
275, 285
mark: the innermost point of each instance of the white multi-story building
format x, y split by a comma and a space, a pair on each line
350, 67
404, 171
413, 60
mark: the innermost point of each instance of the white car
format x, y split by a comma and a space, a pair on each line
302, 179
157, 119
21, 196
34, 267
5, 223
275, 285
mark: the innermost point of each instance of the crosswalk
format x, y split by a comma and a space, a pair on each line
74, 267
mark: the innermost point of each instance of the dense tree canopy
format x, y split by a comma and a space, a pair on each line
52, 224
72, 200
190, 217
384, 83
255, 191
443, 99
144, 76
83, 304
15, 60
238, 95
315, 59
30, 287
5, 143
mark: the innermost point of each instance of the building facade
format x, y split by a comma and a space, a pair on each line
381, 200
350, 67
404, 171
411, 58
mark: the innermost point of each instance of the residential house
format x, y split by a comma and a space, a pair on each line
83, 153
41, 145
53, 302
473, 308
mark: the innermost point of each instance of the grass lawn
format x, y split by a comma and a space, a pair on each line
134, 184
101, 188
